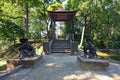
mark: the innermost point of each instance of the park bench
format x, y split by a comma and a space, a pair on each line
92, 64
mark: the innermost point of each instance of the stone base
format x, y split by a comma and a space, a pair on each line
26, 62
92, 64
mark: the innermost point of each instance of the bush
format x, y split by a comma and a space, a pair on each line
115, 57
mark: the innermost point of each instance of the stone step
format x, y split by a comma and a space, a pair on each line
61, 44
60, 50
61, 41
60, 47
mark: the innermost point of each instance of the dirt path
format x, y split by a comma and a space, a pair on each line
64, 67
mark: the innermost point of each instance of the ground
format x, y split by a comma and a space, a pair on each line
64, 67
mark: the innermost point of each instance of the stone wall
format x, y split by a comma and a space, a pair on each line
46, 47
74, 48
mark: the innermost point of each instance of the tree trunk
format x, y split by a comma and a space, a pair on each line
26, 20
83, 32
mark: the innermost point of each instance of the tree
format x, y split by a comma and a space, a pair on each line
9, 30
98, 21
25, 5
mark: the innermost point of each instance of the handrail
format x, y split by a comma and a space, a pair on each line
70, 36
51, 42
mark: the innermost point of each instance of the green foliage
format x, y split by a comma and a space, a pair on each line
115, 57
102, 21
9, 30
3, 65
54, 6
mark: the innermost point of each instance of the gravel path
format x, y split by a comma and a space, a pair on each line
64, 67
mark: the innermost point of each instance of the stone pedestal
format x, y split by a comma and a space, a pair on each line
26, 62
74, 48
46, 47
92, 64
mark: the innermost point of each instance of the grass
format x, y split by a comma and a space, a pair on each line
3, 64
114, 56
39, 50
103, 54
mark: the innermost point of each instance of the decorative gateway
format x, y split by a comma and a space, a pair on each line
62, 15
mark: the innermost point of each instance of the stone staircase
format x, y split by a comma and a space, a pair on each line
61, 46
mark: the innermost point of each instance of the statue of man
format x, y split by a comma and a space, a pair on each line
26, 50
89, 50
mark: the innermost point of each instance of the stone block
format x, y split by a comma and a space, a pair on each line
74, 48
92, 64
26, 62
46, 47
